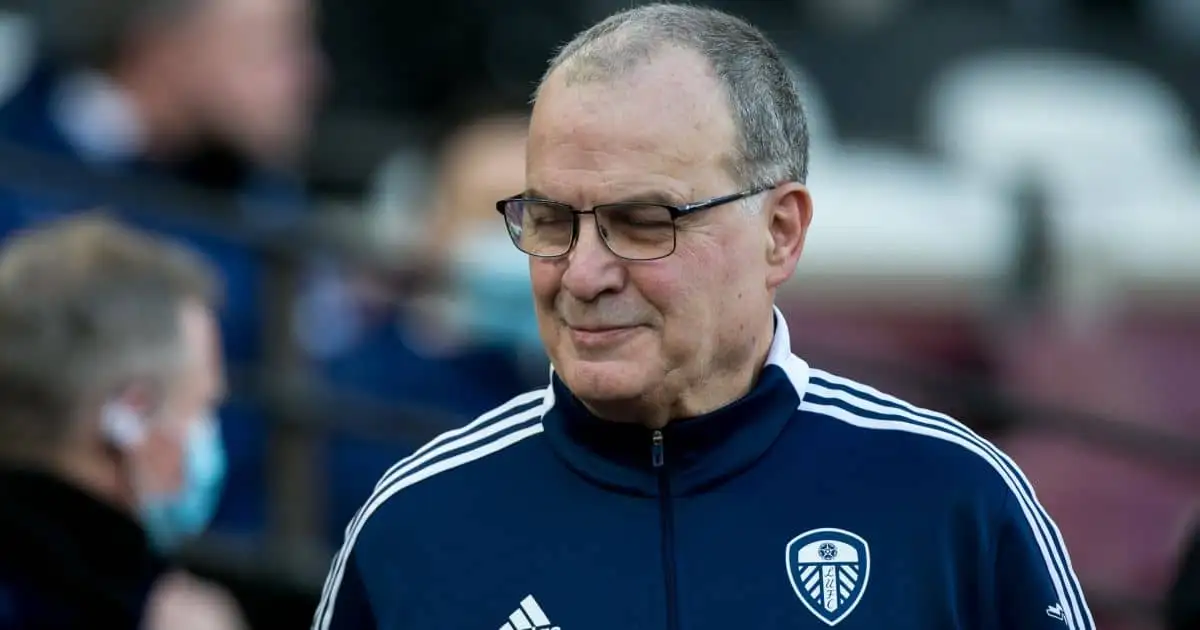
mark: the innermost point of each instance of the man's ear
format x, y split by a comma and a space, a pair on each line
788, 216
139, 396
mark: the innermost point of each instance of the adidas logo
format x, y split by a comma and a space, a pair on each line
528, 616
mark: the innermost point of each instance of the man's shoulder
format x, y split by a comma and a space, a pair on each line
442, 464
928, 443
429, 494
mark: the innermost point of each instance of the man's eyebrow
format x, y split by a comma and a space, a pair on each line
655, 196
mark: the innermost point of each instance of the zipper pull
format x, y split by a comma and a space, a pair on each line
656, 451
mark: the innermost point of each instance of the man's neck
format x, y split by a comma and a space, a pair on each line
97, 476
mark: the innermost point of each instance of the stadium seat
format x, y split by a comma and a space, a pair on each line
1122, 519
901, 256
1122, 512
1156, 238
889, 222
1060, 114
1110, 146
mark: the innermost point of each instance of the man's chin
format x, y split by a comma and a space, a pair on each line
602, 381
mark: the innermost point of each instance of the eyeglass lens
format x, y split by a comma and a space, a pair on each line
633, 231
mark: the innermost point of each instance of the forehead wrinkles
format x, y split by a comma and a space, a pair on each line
666, 117
588, 167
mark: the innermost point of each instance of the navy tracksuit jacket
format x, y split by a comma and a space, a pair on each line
811, 502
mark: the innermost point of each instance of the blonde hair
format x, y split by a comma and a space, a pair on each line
87, 306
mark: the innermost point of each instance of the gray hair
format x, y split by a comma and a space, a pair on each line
764, 99
87, 308
92, 33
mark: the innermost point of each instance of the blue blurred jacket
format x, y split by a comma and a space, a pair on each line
386, 365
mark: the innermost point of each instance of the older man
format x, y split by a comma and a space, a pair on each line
684, 469
109, 452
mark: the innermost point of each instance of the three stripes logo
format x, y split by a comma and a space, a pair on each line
528, 616
828, 569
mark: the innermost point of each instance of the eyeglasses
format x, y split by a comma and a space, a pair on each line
631, 230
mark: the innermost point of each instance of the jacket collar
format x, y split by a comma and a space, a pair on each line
55, 536
697, 453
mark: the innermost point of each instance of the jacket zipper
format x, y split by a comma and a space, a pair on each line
667, 512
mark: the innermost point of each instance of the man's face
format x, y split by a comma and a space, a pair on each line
483, 162
197, 390
622, 331
255, 72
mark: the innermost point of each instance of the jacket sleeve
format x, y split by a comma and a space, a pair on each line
1036, 588
344, 602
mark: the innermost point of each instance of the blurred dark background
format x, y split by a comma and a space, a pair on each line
1007, 229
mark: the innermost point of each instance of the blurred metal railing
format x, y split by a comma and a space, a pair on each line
303, 408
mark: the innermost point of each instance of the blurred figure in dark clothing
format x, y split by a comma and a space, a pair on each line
459, 353
110, 456
162, 85
490, 296
1183, 602
210, 93
215, 93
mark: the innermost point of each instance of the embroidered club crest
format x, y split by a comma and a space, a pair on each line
828, 569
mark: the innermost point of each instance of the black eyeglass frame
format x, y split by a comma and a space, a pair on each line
675, 211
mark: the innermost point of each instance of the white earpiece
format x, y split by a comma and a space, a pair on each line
122, 425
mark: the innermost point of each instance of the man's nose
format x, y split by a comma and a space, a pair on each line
592, 269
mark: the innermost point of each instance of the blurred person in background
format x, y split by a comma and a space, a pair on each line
215, 94
490, 303
470, 345
218, 93
110, 457
681, 450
